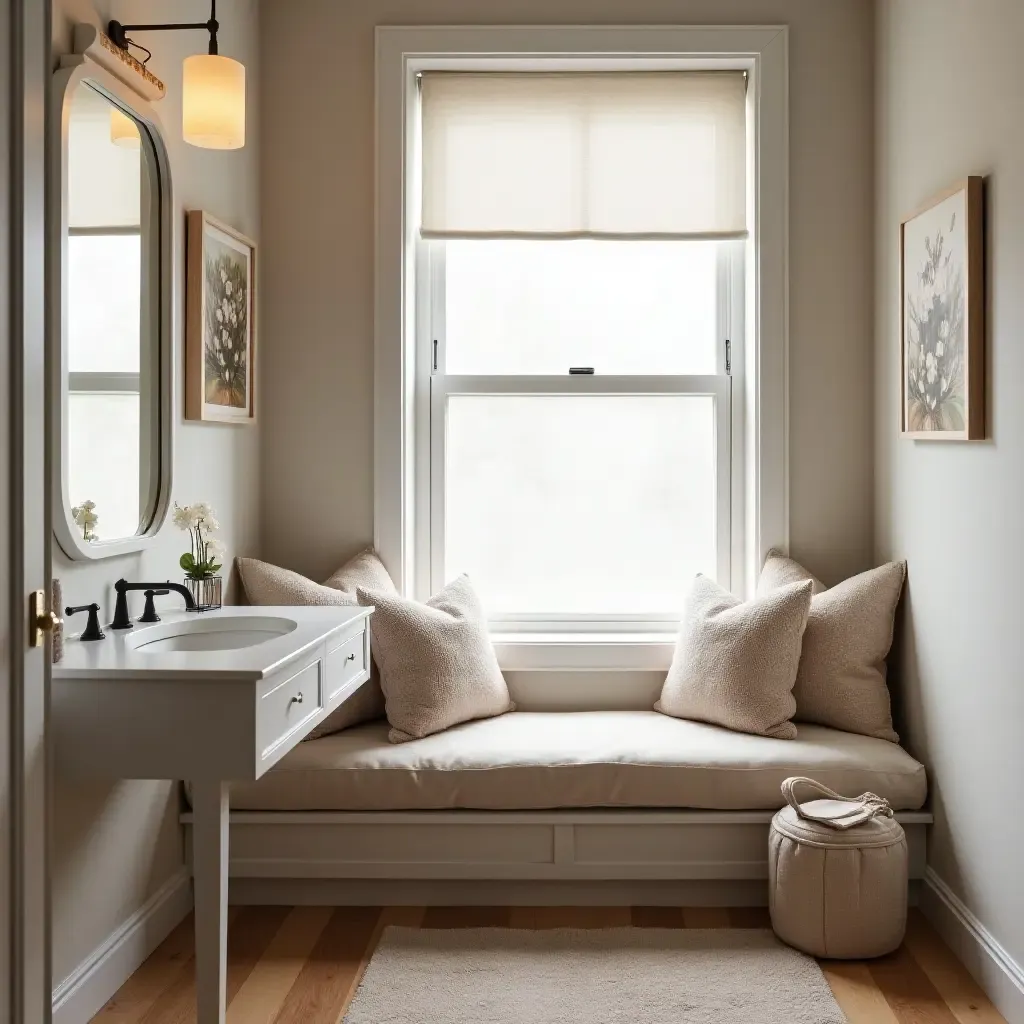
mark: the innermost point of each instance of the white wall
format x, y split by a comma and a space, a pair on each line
114, 845
949, 96
317, 209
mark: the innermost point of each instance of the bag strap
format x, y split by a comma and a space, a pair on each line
854, 810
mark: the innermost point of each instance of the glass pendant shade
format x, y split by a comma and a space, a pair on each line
123, 130
213, 102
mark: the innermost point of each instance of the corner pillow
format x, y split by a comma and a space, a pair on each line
437, 665
841, 680
735, 662
267, 584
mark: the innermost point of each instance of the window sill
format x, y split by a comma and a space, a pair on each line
584, 652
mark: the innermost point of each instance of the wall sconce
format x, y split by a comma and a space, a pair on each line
213, 87
124, 131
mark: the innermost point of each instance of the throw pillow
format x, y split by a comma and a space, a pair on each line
267, 584
437, 665
841, 680
735, 662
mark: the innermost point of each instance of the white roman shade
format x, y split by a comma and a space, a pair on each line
617, 155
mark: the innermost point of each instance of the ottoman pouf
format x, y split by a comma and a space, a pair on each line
837, 874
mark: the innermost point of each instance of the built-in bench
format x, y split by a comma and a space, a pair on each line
543, 797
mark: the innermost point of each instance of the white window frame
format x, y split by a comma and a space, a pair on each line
758, 423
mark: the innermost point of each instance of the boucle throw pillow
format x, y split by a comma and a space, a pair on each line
735, 662
437, 665
841, 681
267, 584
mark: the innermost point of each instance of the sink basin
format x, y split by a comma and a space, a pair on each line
223, 633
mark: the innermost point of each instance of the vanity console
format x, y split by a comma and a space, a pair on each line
211, 699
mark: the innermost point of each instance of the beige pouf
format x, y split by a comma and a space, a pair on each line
837, 874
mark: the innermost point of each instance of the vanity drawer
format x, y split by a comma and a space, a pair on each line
288, 705
344, 663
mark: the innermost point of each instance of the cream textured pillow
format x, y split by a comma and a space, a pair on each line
437, 665
267, 584
735, 662
841, 681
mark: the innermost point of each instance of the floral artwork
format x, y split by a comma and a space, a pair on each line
938, 346
225, 337
219, 360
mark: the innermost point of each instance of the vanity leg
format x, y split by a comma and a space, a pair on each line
210, 883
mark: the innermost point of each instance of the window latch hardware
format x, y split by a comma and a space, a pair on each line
728, 357
577, 370
435, 355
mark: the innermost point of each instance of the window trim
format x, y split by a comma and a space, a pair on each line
760, 418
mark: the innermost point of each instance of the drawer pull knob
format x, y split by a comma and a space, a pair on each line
297, 699
351, 657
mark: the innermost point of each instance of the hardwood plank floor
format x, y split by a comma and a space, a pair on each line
302, 965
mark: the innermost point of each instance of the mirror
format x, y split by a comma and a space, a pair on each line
114, 339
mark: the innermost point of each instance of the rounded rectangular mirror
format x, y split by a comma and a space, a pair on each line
113, 391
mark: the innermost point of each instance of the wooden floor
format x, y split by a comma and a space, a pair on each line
301, 965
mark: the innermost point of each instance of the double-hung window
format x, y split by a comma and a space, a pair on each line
580, 274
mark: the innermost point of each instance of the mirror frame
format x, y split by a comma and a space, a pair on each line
75, 71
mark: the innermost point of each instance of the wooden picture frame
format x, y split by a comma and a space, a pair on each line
942, 317
220, 324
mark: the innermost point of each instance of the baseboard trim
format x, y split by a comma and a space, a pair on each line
977, 948
84, 991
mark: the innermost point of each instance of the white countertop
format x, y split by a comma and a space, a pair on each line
114, 657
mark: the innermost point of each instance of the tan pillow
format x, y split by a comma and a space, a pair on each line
841, 681
735, 662
437, 665
267, 584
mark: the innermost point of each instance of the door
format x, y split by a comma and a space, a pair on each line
24, 539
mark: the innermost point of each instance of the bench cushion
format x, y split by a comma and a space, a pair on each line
536, 760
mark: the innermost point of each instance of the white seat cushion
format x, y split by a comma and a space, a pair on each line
534, 760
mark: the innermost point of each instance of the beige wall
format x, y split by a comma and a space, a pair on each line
948, 101
114, 845
317, 209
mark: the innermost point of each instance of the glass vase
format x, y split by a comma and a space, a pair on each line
206, 592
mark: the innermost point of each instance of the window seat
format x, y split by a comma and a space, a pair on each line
580, 759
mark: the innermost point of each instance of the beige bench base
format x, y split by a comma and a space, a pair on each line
270, 850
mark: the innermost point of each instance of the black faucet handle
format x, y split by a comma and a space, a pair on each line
149, 612
92, 629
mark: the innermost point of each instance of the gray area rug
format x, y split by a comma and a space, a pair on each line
592, 976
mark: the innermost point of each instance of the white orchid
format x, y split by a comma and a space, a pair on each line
85, 517
185, 517
203, 560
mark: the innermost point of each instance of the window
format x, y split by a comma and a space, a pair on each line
103, 376
580, 501
448, 257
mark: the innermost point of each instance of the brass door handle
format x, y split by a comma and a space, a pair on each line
40, 619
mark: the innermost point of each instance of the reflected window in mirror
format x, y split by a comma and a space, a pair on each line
112, 327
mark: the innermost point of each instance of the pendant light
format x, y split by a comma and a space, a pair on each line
213, 87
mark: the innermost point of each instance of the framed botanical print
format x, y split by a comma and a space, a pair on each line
220, 339
942, 317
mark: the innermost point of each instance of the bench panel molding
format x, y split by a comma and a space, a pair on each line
541, 847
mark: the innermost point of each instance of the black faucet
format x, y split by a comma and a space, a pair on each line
92, 630
122, 620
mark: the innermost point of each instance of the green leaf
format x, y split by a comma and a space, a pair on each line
187, 562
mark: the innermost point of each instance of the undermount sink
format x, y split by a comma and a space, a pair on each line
223, 633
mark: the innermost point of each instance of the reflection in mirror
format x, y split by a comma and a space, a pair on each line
112, 328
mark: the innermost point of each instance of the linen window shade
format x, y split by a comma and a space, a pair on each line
616, 155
